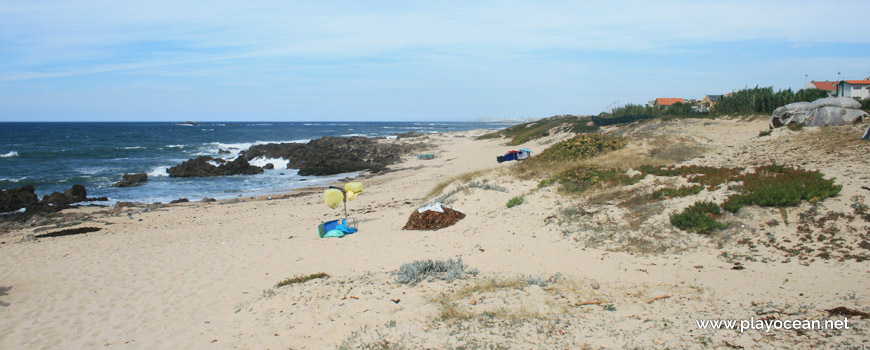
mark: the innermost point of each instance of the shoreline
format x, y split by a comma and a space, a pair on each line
204, 275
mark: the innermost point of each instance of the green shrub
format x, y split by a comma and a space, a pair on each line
578, 179
698, 217
301, 279
515, 201
735, 202
764, 133
779, 186
677, 192
581, 147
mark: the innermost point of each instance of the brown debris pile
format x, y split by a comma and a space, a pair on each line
433, 220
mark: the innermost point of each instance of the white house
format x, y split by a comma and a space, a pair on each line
854, 88
827, 86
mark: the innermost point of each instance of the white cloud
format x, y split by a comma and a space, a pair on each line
57, 38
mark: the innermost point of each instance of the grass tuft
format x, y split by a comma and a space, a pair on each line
515, 201
301, 279
413, 273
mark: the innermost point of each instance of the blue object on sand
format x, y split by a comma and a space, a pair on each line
335, 228
334, 233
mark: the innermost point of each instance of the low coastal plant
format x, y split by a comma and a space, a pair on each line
515, 201
682, 191
581, 147
449, 197
580, 178
540, 281
445, 270
487, 186
781, 186
699, 217
705, 175
764, 133
301, 279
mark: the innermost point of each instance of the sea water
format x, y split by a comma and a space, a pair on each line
55, 156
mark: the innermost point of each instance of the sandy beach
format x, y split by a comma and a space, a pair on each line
203, 275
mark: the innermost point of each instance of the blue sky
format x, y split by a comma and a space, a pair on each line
406, 60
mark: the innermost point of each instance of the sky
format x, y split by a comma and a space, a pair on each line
221, 60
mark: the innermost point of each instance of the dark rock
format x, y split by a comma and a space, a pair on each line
239, 166
408, 135
180, 200
131, 180
269, 166
77, 193
69, 232
200, 167
334, 155
120, 205
17, 198
208, 200
223, 151
97, 199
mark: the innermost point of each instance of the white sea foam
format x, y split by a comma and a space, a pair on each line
13, 179
214, 163
234, 148
279, 163
174, 146
131, 147
392, 137
158, 172
349, 135
9, 155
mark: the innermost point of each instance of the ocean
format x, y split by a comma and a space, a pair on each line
55, 156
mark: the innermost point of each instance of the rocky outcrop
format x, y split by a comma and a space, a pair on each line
203, 167
131, 180
17, 198
409, 135
77, 193
269, 166
333, 155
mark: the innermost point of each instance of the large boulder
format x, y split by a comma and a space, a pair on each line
204, 166
17, 198
77, 193
239, 166
131, 180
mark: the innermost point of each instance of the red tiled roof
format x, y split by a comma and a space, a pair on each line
858, 82
825, 85
662, 101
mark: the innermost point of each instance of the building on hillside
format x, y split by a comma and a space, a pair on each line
710, 100
854, 88
666, 102
827, 86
